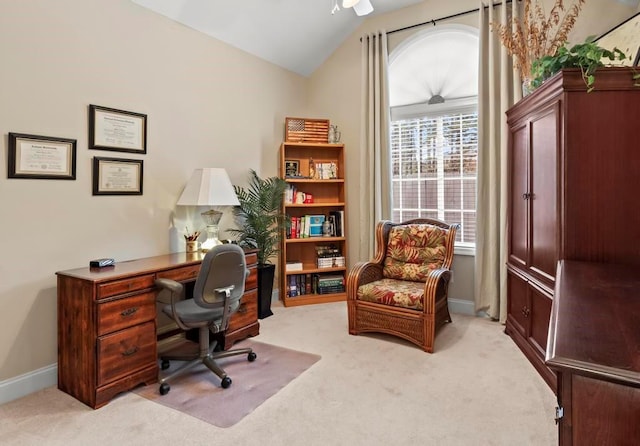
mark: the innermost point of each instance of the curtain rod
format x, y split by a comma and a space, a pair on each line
433, 21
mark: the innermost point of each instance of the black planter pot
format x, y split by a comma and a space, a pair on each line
266, 275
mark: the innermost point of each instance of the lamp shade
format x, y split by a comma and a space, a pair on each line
209, 186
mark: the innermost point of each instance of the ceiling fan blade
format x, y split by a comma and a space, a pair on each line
363, 7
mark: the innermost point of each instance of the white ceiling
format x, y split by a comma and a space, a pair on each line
298, 35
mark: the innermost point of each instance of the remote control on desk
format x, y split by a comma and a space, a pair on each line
101, 263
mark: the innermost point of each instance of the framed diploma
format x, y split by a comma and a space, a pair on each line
118, 130
41, 157
117, 176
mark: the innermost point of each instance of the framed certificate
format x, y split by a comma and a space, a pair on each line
117, 130
41, 157
117, 176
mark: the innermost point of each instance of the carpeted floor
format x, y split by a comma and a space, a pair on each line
198, 392
476, 389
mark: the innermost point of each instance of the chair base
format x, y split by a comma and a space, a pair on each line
414, 326
190, 351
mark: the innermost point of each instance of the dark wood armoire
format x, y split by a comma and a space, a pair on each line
574, 175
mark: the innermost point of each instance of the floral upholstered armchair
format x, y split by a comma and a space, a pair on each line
403, 290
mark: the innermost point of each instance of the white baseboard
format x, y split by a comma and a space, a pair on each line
23, 385
30, 382
460, 306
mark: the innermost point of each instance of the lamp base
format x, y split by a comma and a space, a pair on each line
211, 218
209, 244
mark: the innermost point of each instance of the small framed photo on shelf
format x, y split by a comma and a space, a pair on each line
117, 130
291, 168
41, 157
117, 176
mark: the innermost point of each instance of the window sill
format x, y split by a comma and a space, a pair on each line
464, 250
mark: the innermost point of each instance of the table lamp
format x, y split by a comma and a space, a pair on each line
209, 186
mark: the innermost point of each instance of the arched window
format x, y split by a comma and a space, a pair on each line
433, 87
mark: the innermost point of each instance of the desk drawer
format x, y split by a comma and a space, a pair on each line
252, 280
247, 313
126, 351
186, 273
251, 258
125, 286
126, 312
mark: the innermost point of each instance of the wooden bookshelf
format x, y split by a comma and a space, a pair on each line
320, 174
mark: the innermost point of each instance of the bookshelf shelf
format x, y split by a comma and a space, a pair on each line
315, 240
316, 196
313, 205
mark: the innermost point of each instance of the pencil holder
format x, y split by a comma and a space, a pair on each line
192, 246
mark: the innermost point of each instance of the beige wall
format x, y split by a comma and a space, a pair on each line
335, 90
208, 105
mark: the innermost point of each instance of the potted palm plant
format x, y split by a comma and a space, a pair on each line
261, 221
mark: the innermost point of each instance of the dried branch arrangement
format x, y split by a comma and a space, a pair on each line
537, 35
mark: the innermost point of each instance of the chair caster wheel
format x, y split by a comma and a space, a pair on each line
226, 382
165, 364
164, 388
251, 357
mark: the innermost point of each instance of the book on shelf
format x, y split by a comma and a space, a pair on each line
292, 288
315, 225
339, 222
331, 290
331, 250
293, 266
330, 281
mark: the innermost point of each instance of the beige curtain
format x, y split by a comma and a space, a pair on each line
375, 183
499, 88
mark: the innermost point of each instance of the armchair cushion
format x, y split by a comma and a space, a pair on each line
413, 250
398, 293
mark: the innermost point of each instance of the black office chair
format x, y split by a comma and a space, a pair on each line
216, 296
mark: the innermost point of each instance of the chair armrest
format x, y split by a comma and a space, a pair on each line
176, 289
360, 274
431, 287
171, 285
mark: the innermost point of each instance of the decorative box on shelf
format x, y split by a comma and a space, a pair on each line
306, 130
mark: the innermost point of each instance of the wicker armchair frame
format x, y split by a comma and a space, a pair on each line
415, 326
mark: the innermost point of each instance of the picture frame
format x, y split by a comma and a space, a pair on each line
41, 157
291, 168
117, 176
117, 130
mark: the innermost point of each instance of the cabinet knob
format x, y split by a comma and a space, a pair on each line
526, 196
525, 311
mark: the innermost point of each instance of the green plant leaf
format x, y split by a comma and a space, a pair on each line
260, 216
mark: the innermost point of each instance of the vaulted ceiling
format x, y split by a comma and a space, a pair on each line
298, 35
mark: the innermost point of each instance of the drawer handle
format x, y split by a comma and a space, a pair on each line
129, 312
242, 309
129, 352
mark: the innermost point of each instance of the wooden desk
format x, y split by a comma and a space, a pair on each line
107, 323
594, 345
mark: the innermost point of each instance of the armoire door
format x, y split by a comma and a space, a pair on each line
518, 200
543, 193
